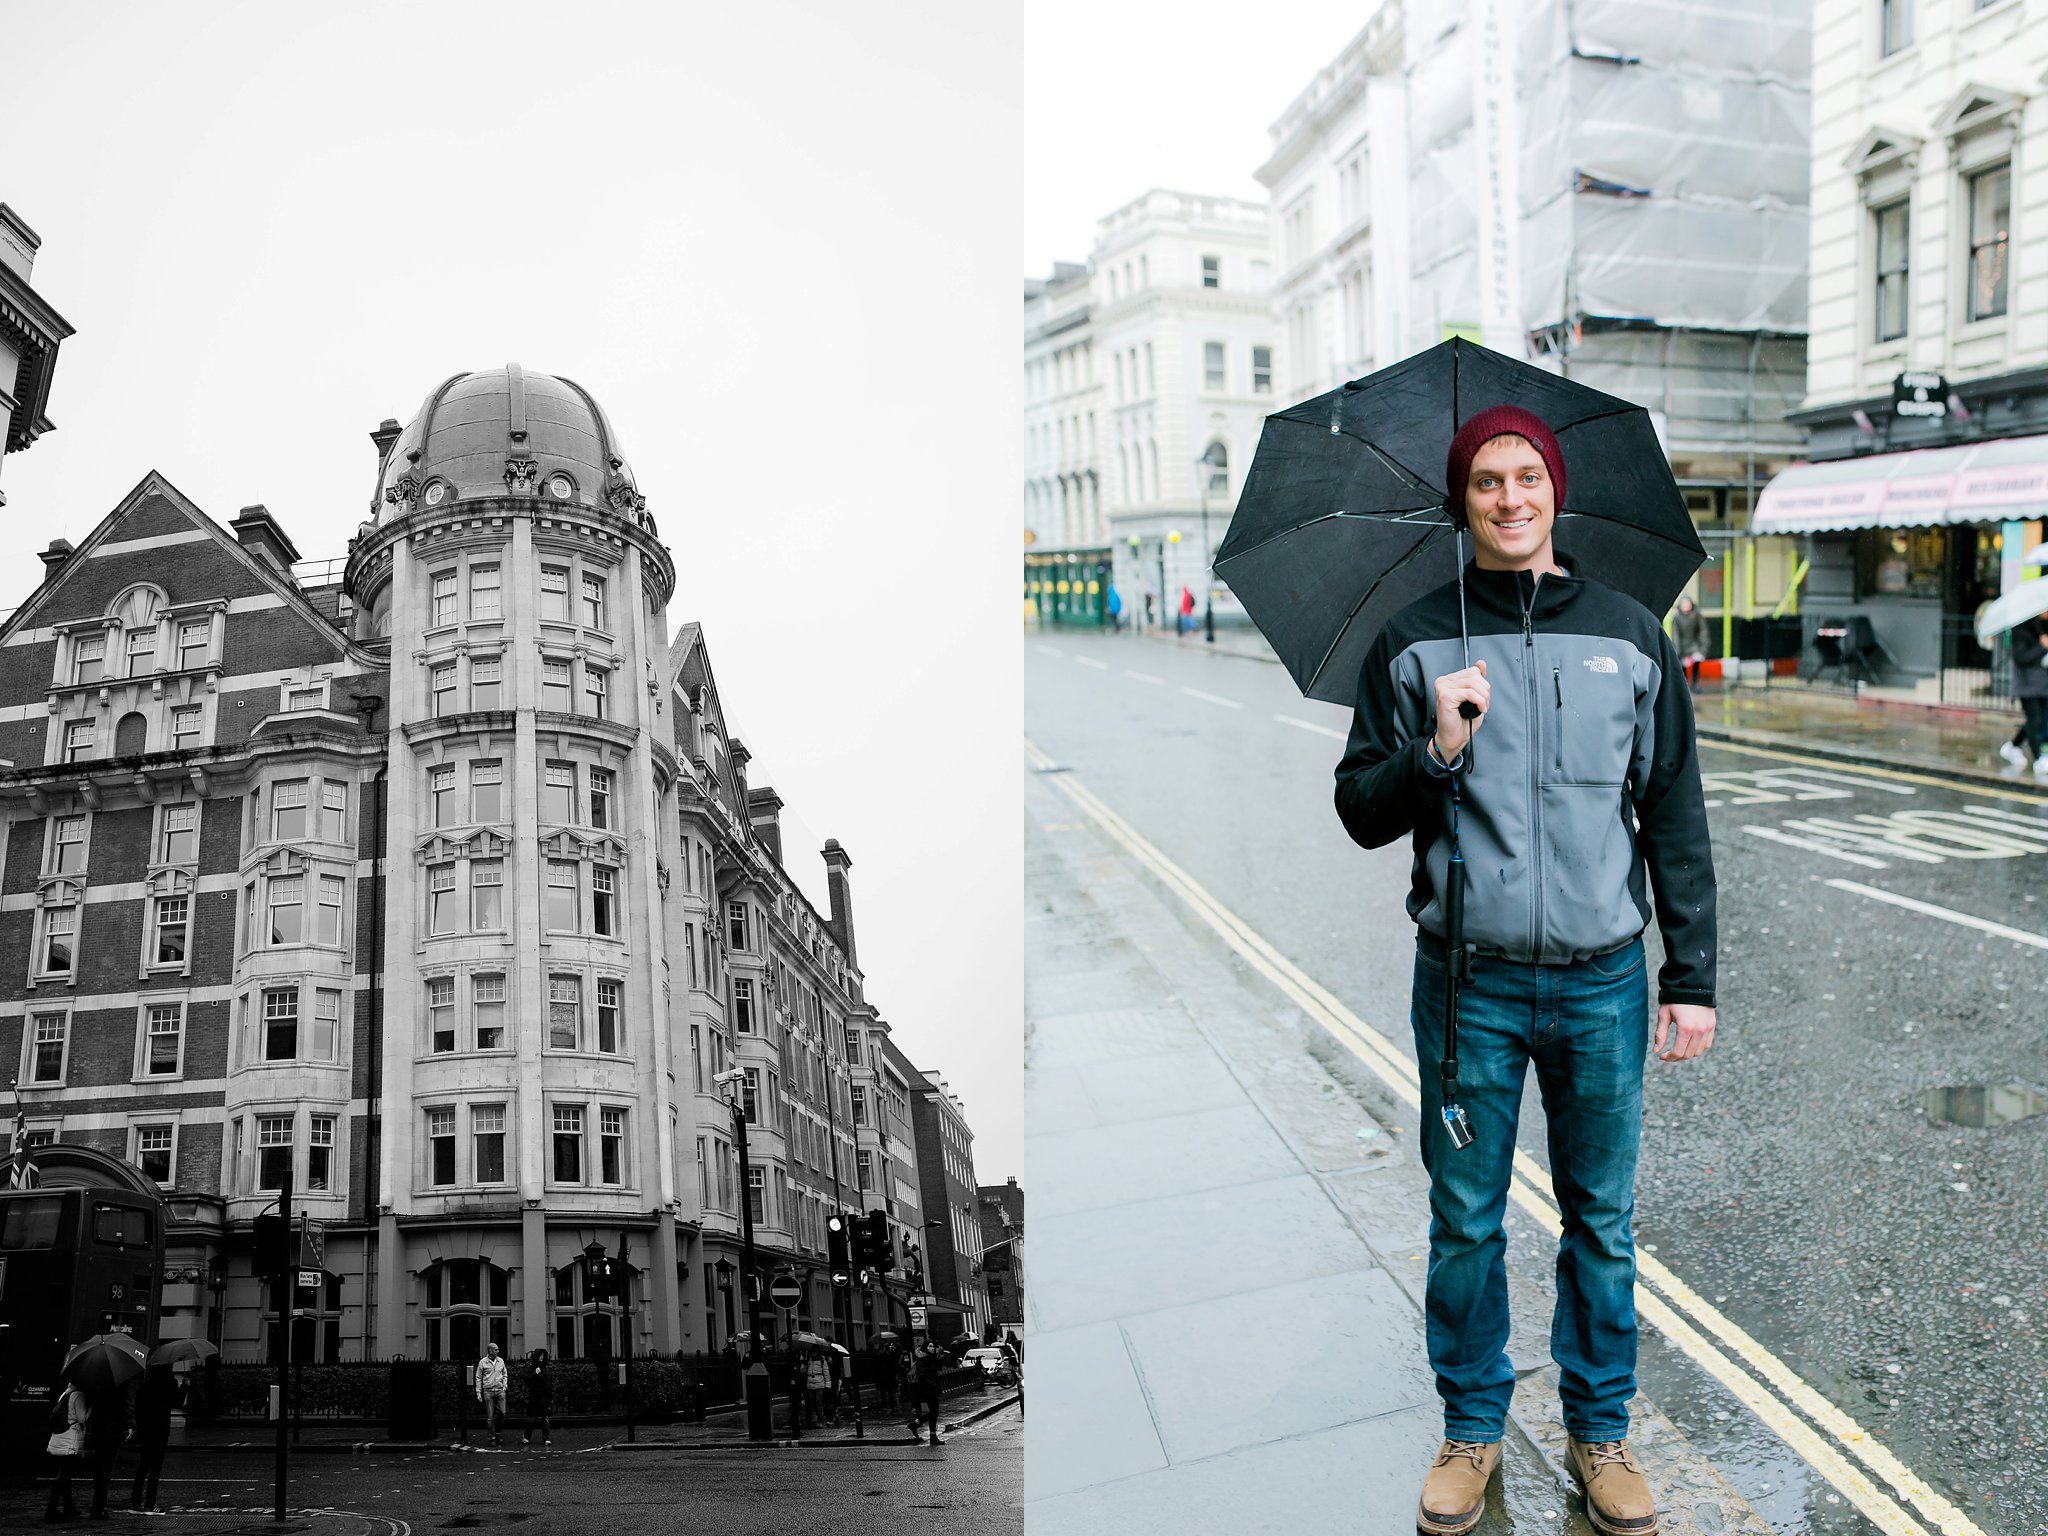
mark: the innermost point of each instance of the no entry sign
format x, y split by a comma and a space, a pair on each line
785, 1292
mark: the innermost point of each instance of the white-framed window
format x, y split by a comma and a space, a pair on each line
487, 1143
154, 1145
487, 996
327, 915
441, 1015
441, 682
742, 1006
864, 1169
441, 910
163, 1040
565, 1013
860, 1104
1262, 370
486, 682
757, 1195
486, 792
610, 1018
188, 725
287, 902
141, 651
567, 1164
604, 901
445, 598
486, 895
67, 845
326, 1023
561, 895
333, 811
441, 795
319, 1154
79, 738
483, 597
1212, 271
178, 843
593, 601
88, 659
59, 936
750, 1095
554, 593
280, 1024
736, 926
596, 681
298, 696
558, 796
441, 1144
195, 643
1894, 26
288, 811
554, 685
48, 1051
1212, 365
601, 797
173, 922
611, 1145
273, 1150
1990, 204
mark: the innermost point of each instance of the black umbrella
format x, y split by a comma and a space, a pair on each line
1341, 523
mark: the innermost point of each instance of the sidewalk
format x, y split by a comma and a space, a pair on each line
1949, 742
1228, 1250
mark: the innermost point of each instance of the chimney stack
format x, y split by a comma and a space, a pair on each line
385, 435
763, 804
54, 557
258, 532
837, 863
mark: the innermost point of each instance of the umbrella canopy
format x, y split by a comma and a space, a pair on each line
173, 1351
809, 1341
1342, 524
2028, 600
104, 1361
888, 1334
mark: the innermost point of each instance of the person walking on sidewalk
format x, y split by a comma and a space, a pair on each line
925, 1398
158, 1396
1187, 609
540, 1400
1689, 635
70, 1416
2029, 745
1584, 800
491, 1381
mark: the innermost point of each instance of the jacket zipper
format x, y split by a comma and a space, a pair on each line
1557, 682
1535, 773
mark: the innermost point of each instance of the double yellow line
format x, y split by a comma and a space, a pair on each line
1830, 1441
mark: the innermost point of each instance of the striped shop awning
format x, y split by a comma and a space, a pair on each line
1998, 480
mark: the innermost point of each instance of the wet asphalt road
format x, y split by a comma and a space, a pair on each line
1793, 1176
972, 1484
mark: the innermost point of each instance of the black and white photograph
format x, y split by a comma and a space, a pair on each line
510, 895
1536, 809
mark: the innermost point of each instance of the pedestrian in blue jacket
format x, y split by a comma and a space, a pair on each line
1580, 819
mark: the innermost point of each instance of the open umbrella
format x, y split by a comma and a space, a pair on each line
2028, 600
809, 1341
104, 1361
174, 1350
1342, 524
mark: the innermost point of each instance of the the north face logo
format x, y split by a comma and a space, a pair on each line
1601, 664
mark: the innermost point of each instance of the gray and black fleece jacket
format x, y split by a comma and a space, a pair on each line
1583, 777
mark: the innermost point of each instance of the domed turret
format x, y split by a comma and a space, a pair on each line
506, 432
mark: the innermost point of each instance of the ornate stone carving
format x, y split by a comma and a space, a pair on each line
520, 476
403, 493
622, 498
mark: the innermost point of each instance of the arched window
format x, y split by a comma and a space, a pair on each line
586, 1329
466, 1303
131, 735
1217, 458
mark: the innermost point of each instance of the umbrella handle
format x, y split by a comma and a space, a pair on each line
1455, 1123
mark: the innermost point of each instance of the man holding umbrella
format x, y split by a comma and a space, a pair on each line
1586, 784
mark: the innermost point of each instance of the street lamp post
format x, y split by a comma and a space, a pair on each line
1206, 467
758, 1404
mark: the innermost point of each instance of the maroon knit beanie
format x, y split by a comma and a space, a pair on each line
1482, 429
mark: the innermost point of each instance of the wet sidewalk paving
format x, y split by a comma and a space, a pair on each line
1228, 1247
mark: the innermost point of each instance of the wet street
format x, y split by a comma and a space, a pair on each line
1853, 1178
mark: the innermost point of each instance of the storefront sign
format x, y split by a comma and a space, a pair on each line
1920, 394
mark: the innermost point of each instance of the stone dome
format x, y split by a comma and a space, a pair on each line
505, 432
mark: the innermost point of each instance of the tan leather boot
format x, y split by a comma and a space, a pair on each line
1617, 1495
1454, 1493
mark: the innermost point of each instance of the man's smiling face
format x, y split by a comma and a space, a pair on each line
1512, 506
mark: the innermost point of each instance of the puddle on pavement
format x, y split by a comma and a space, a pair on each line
1980, 1105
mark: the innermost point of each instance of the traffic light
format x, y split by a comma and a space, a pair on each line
271, 1257
838, 1249
856, 1241
879, 1247
601, 1277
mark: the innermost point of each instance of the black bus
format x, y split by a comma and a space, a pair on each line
74, 1261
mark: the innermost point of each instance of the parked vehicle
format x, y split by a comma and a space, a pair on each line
994, 1365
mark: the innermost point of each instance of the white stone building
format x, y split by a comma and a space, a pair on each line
1930, 260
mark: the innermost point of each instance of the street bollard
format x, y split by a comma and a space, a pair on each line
462, 1404
759, 1403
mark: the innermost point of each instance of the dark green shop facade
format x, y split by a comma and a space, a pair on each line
1068, 587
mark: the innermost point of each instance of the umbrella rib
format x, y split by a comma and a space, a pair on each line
1584, 421
1391, 515
1365, 597
1643, 528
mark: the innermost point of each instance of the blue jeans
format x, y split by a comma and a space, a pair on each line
1586, 1028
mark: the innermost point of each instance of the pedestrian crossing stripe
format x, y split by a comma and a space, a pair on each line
1680, 1313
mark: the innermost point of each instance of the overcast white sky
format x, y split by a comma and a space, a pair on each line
1123, 97
776, 242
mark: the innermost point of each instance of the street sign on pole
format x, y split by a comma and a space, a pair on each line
309, 1279
786, 1292
917, 1317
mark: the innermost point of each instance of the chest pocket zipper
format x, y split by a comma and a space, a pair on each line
1557, 682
